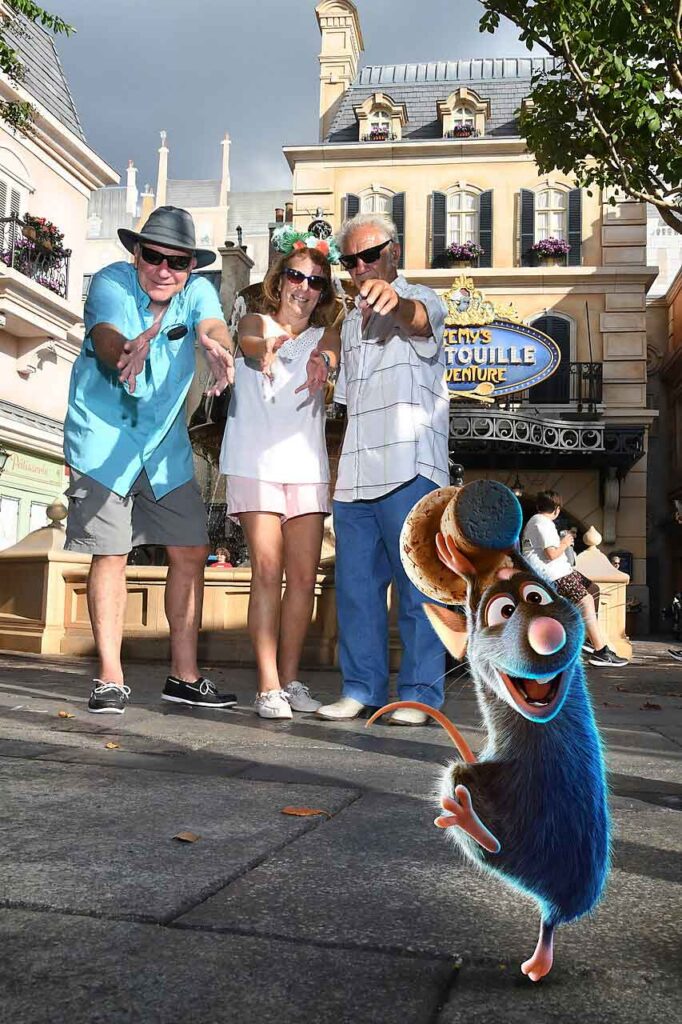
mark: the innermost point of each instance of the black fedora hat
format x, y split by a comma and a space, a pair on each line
171, 227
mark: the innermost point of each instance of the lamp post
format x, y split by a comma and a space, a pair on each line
517, 487
4, 456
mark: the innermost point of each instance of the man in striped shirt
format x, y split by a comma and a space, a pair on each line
394, 452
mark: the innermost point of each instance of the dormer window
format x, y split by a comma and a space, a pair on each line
380, 119
463, 115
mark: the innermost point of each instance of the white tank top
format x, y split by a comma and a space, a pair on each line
272, 433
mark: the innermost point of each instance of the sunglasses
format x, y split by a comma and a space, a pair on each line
156, 259
315, 281
350, 262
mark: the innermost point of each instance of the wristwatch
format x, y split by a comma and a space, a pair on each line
331, 374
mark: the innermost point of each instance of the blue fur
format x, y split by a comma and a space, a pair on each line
540, 783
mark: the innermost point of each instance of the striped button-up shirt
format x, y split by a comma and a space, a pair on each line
393, 386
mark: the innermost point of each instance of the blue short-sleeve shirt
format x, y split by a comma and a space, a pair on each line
112, 435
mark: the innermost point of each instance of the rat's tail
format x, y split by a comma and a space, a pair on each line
452, 731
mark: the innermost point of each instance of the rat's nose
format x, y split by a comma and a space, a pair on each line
546, 636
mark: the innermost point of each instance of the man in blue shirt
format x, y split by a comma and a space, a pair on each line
126, 441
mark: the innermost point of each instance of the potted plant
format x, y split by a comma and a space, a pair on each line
462, 131
463, 254
551, 252
378, 133
43, 232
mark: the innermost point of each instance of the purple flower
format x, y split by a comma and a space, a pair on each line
551, 247
464, 251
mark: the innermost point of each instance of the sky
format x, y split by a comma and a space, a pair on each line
200, 68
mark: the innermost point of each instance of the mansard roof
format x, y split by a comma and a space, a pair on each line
504, 81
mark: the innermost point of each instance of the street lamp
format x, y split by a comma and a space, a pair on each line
4, 456
517, 487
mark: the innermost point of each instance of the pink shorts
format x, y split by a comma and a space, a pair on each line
286, 500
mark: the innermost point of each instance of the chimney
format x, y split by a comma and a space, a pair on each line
162, 178
225, 172
288, 212
279, 215
146, 206
342, 45
131, 189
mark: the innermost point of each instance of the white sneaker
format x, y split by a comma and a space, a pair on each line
299, 697
346, 707
408, 716
273, 704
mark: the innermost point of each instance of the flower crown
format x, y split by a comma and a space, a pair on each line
286, 240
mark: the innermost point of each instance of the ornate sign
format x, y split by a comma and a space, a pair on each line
489, 351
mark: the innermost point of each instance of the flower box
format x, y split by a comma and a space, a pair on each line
551, 252
463, 254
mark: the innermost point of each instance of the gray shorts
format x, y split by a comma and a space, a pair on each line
103, 523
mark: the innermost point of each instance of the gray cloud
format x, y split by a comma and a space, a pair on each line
200, 68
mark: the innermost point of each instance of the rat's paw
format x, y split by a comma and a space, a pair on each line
538, 966
462, 814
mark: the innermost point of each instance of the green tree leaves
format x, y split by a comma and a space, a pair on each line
611, 111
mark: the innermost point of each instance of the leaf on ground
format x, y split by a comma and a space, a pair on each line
304, 812
187, 837
112, 746
607, 704
648, 706
66, 714
622, 689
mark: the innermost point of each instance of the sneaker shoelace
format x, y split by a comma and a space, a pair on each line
270, 695
296, 689
103, 687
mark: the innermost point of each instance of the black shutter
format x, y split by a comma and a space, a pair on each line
556, 390
14, 210
485, 228
575, 236
527, 226
398, 213
351, 206
439, 219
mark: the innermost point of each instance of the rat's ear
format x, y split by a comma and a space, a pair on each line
450, 628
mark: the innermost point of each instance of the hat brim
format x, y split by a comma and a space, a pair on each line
129, 239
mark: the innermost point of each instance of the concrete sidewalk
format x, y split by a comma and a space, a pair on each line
360, 914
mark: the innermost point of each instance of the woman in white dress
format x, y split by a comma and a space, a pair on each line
275, 457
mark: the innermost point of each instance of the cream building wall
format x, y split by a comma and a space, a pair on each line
606, 289
50, 174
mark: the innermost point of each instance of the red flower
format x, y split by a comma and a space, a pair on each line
323, 247
298, 245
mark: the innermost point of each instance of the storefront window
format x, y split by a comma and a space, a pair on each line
462, 217
550, 214
37, 516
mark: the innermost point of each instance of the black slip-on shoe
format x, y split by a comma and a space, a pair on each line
200, 694
108, 698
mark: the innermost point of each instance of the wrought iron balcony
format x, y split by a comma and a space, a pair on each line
379, 137
35, 259
577, 384
502, 439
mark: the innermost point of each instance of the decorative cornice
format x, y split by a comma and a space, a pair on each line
405, 149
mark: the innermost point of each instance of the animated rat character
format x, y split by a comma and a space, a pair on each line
533, 808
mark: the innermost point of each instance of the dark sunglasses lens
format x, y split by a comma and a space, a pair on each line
367, 256
294, 275
315, 282
156, 259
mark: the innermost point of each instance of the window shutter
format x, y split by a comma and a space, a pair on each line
485, 228
575, 217
398, 213
14, 209
527, 226
556, 390
351, 205
438, 225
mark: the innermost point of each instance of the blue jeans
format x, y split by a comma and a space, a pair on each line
367, 560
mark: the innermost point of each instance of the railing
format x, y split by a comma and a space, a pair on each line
379, 137
578, 384
33, 258
457, 133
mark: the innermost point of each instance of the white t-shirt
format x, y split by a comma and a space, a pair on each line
272, 433
541, 533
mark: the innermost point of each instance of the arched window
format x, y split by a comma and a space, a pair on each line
376, 202
464, 115
379, 121
556, 390
462, 217
551, 214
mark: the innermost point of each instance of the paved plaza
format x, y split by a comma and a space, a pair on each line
360, 914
